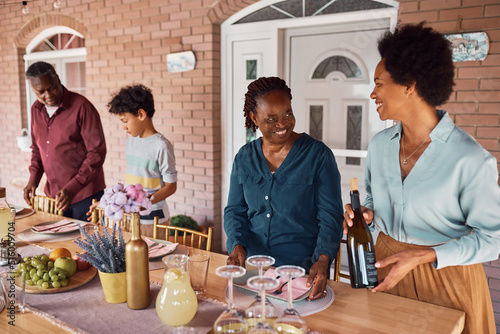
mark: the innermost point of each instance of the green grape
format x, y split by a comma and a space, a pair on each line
51, 272
37, 257
62, 276
56, 285
35, 262
54, 278
46, 277
50, 264
21, 266
45, 285
40, 267
39, 282
56, 270
44, 263
44, 258
64, 282
39, 273
29, 282
33, 272
62, 271
35, 278
27, 259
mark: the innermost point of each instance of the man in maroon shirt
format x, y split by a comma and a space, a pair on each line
67, 144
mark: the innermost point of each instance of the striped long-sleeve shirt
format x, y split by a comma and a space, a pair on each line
151, 162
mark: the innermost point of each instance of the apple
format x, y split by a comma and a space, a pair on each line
67, 263
81, 264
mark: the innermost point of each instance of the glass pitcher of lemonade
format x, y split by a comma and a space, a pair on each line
176, 303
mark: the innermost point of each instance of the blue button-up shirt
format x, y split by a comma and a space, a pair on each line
451, 197
294, 214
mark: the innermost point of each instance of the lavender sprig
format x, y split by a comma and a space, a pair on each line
103, 251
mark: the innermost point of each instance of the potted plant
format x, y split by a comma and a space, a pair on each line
106, 252
183, 221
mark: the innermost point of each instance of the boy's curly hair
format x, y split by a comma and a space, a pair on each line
132, 98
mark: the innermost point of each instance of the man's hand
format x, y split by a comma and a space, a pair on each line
91, 208
238, 256
318, 274
29, 192
349, 215
63, 199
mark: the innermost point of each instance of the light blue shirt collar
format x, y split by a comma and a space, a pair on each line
440, 133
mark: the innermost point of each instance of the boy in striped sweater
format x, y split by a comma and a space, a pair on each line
150, 156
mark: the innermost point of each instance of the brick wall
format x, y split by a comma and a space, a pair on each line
475, 102
127, 41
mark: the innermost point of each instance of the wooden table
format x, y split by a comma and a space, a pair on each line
353, 311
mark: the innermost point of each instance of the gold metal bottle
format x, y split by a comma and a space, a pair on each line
137, 267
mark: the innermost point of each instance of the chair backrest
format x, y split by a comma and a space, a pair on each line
45, 204
197, 243
336, 269
98, 216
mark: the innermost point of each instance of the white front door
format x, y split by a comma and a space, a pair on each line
330, 71
292, 49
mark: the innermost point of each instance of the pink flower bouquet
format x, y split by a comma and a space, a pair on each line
117, 200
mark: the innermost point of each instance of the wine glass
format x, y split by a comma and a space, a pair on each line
290, 321
260, 261
231, 320
263, 283
254, 310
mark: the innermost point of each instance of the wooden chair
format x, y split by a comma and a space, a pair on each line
336, 269
197, 243
45, 204
98, 215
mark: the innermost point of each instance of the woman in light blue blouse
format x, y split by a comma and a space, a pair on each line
284, 196
432, 190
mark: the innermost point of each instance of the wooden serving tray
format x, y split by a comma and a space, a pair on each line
77, 280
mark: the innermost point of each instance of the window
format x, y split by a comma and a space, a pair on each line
301, 8
316, 122
337, 63
353, 138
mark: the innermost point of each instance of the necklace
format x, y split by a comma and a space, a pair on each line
405, 158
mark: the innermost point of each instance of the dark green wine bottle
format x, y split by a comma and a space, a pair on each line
360, 249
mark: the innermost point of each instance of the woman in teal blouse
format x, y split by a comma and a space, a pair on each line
284, 197
432, 190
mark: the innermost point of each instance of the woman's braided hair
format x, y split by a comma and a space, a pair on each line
259, 88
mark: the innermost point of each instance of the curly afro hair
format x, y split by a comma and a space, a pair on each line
259, 88
132, 98
414, 53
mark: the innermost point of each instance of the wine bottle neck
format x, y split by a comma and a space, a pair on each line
135, 226
355, 204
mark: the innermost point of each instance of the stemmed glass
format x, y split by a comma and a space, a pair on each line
260, 261
254, 310
231, 320
263, 283
290, 321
